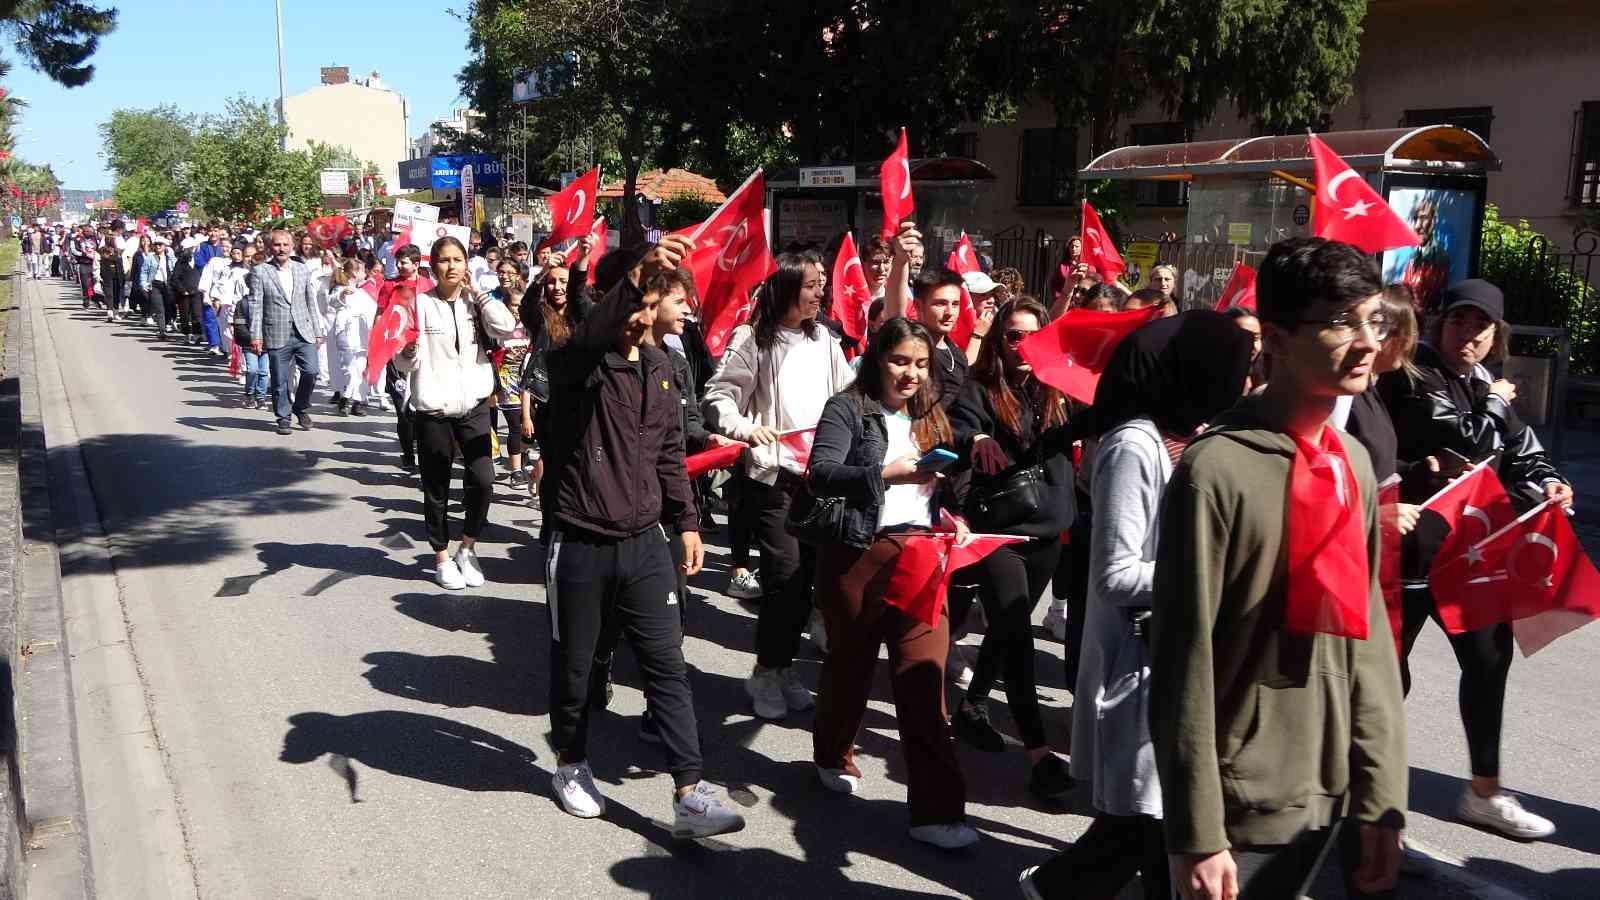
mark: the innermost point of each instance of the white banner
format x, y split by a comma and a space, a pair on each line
408, 211
335, 183
423, 234
466, 195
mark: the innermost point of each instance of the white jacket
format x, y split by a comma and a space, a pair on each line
450, 371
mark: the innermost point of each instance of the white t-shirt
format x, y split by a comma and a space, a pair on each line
903, 504
802, 385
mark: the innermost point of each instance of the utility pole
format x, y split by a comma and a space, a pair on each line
283, 122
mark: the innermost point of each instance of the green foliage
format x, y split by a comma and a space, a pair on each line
682, 210
147, 140
145, 193
1541, 287
1113, 199
57, 37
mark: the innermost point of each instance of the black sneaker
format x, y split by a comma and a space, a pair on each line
341, 407
600, 689
408, 464
305, 421
358, 409
283, 427
1050, 779
971, 724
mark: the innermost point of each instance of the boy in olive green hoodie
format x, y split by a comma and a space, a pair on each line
1264, 737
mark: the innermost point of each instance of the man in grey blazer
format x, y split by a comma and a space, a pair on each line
284, 323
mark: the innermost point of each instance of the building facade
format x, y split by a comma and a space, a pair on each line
1525, 77
365, 115
443, 135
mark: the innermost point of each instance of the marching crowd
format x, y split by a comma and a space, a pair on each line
1238, 700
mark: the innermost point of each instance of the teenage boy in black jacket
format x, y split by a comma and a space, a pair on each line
618, 465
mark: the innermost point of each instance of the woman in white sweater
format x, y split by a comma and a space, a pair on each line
1163, 384
776, 375
452, 378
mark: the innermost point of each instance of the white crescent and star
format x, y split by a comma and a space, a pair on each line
1358, 208
572, 214
1539, 539
1473, 554
905, 186
731, 236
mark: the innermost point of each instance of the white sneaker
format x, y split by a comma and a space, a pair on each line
149, 321
471, 572
1503, 813
795, 695
448, 575
838, 780
1055, 622
574, 787
765, 687
745, 587
699, 814
949, 836
818, 630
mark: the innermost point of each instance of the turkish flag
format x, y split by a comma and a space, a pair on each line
1069, 353
1098, 251
921, 577
141, 224
402, 239
598, 232
395, 328
731, 257
275, 209
419, 284
1360, 217
851, 298
1240, 289
328, 230
1389, 559
1532, 573
1474, 505
1328, 570
798, 442
894, 182
571, 207
716, 458
961, 261
235, 361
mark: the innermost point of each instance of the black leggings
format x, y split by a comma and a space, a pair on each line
788, 568
437, 438
1485, 659
405, 419
1015, 577
1105, 858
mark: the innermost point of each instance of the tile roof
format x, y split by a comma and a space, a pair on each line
658, 185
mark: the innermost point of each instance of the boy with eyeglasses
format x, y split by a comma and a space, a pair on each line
1275, 703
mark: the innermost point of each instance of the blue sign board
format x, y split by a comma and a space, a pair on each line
443, 173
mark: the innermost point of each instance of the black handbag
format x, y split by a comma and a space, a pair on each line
535, 378
1007, 502
815, 520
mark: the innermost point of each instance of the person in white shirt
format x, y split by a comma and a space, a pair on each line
353, 313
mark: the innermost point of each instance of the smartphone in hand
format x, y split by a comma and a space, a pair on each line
936, 460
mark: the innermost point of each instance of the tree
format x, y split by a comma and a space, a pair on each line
145, 193
147, 140
57, 37
236, 166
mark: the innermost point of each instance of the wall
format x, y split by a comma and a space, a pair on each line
371, 122
1535, 64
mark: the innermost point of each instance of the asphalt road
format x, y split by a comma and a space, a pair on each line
332, 724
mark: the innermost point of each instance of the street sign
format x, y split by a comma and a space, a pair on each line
828, 176
335, 182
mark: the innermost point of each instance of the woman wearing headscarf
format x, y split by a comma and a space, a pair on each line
1163, 384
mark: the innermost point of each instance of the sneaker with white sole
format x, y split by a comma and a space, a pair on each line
838, 780
700, 813
745, 587
1055, 622
574, 787
765, 687
795, 695
446, 573
1503, 813
471, 572
946, 836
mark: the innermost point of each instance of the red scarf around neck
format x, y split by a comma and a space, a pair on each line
1329, 576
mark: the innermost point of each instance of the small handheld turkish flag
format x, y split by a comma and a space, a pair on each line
327, 230
1240, 289
1349, 210
1474, 505
894, 182
731, 257
716, 458
1532, 573
921, 577
598, 232
395, 328
961, 261
1328, 570
1098, 251
572, 207
1069, 353
851, 299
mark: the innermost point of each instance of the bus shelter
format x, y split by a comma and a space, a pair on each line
813, 205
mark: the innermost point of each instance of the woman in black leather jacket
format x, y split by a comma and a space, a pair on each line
868, 442
1448, 407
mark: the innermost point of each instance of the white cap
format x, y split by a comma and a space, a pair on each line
978, 283
158, 238
189, 243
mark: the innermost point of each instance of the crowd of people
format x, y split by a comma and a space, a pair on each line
1224, 746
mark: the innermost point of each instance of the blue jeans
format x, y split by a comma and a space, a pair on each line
283, 361
257, 375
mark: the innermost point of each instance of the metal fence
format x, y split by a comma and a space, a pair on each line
1551, 287
1034, 257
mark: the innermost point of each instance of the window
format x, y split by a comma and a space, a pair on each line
1159, 193
963, 145
1586, 157
1048, 173
1475, 119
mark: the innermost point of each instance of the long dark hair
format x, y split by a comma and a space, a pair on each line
556, 321
778, 294
929, 425
991, 371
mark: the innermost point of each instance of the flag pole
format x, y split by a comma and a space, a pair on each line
1453, 482
1518, 521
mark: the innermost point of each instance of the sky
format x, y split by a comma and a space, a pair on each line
198, 54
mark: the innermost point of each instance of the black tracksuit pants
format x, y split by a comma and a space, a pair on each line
593, 584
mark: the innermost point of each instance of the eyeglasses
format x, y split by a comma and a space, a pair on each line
1345, 326
1015, 336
